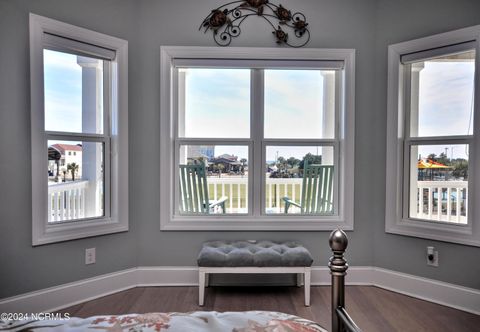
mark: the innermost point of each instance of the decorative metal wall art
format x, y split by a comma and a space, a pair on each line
225, 23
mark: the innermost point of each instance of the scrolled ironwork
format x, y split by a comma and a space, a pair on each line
225, 22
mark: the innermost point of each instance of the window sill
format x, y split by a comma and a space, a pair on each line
277, 223
78, 230
461, 234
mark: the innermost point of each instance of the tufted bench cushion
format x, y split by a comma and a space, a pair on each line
257, 254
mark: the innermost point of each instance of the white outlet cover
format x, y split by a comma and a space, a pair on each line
90, 256
435, 259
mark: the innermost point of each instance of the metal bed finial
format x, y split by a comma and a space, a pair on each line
341, 321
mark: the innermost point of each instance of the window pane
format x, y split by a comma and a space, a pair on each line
439, 182
225, 169
442, 93
75, 180
73, 93
214, 103
299, 103
287, 182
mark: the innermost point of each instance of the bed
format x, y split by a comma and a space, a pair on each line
211, 321
198, 321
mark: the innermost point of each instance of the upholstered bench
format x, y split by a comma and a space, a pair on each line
254, 257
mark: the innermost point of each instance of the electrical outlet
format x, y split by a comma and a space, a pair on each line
432, 256
90, 256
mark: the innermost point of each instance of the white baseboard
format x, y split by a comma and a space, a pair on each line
55, 298
66, 295
450, 295
167, 276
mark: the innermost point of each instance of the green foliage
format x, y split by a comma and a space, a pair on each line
460, 168
292, 161
311, 159
443, 159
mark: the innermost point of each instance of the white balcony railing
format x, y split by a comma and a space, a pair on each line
236, 189
66, 201
442, 201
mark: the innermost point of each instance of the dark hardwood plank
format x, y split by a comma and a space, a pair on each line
363, 311
374, 309
115, 304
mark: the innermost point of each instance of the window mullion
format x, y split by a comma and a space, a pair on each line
474, 148
339, 134
296, 141
440, 140
407, 88
213, 141
107, 98
257, 155
65, 136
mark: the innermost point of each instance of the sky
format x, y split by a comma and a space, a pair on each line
218, 103
222, 107
63, 92
445, 104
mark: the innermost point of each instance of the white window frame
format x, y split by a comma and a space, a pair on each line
397, 220
116, 176
256, 220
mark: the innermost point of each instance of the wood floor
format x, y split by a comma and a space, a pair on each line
373, 309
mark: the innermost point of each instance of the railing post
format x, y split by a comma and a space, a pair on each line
338, 269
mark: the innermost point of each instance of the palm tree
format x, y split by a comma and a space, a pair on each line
64, 171
73, 168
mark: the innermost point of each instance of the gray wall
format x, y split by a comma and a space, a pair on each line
343, 24
367, 26
24, 268
399, 21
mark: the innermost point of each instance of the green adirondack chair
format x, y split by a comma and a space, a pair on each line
317, 191
194, 191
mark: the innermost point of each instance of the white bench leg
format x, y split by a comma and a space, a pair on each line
201, 287
307, 286
299, 279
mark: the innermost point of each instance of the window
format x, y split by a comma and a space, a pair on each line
256, 139
433, 130
79, 132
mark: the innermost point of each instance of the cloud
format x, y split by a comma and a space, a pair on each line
218, 103
445, 98
293, 97
60, 61
63, 115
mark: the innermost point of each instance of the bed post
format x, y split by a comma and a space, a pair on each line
338, 269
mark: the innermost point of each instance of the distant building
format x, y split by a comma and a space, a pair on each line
60, 155
230, 163
195, 151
